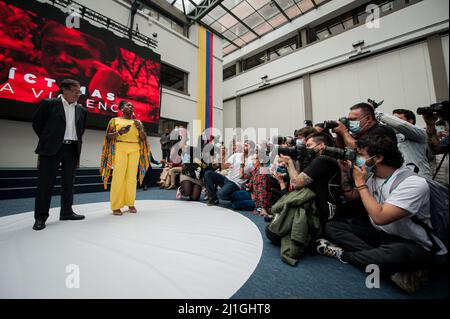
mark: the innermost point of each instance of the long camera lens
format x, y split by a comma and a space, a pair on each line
339, 153
296, 152
329, 125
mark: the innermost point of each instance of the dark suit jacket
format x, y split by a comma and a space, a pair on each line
49, 123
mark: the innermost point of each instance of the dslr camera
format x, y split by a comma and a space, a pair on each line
438, 109
340, 153
297, 152
329, 125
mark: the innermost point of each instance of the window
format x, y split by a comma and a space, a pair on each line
174, 79
229, 72
253, 61
357, 17
170, 124
285, 47
163, 19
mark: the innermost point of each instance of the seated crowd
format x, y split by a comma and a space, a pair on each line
368, 190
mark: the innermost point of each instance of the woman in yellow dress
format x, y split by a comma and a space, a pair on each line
126, 150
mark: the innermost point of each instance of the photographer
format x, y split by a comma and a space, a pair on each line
411, 140
317, 175
394, 241
232, 182
438, 146
430, 116
362, 122
303, 133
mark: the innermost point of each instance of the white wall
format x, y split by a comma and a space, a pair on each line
229, 114
411, 23
445, 49
174, 49
402, 78
280, 107
17, 144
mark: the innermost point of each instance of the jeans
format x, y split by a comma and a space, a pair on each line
227, 187
242, 200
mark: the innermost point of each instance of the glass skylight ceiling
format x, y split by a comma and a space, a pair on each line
242, 21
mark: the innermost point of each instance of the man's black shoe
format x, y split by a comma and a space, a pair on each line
39, 225
212, 201
71, 216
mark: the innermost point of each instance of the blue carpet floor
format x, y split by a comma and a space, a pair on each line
315, 277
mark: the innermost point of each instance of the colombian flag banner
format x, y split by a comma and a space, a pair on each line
205, 80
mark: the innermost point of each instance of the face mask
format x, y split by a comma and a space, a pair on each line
311, 153
360, 161
186, 158
299, 142
354, 127
440, 129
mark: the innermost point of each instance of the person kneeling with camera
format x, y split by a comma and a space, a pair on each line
396, 241
318, 174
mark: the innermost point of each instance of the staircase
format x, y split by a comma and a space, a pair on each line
22, 183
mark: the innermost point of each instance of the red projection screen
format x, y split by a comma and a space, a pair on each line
37, 51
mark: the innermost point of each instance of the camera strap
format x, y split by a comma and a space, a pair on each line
439, 166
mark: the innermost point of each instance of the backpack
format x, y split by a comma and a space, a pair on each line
438, 210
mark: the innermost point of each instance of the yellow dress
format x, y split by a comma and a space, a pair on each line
126, 161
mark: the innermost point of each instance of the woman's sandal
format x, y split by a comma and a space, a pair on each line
117, 212
132, 210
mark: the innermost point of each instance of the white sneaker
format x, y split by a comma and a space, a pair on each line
325, 248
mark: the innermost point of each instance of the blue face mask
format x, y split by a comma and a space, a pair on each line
299, 142
360, 161
354, 127
186, 158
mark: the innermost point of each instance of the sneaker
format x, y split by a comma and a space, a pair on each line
325, 248
410, 281
212, 201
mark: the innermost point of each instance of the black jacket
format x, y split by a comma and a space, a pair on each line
49, 123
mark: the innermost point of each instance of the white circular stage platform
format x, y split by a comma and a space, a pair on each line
170, 249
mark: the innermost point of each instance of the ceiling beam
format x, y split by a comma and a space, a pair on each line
218, 34
202, 9
281, 10
240, 21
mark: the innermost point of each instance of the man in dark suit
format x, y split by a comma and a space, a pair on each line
59, 124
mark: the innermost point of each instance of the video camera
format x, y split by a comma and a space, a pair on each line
339, 153
438, 109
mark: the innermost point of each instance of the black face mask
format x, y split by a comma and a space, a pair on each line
311, 153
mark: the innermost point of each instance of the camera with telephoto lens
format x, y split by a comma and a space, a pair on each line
297, 152
437, 109
374, 104
340, 153
329, 125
